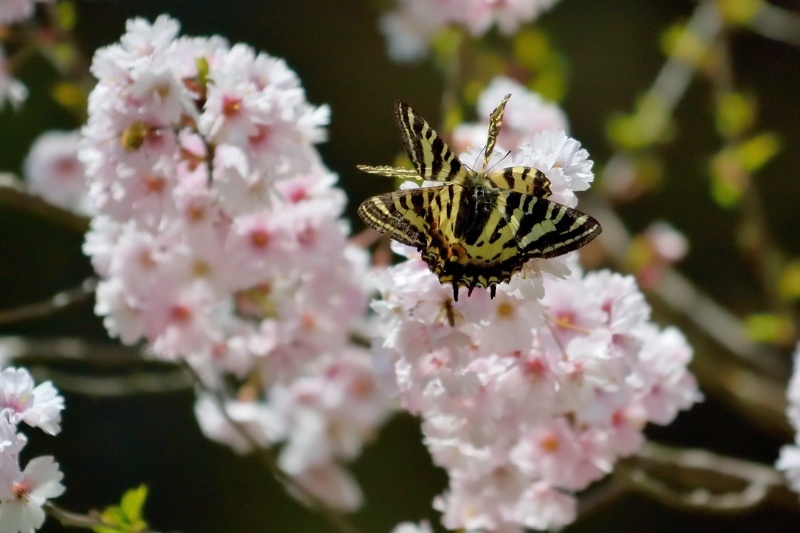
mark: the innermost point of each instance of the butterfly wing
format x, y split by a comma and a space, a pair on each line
391, 172
432, 158
401, 215
543, 228
526, 180
489, 234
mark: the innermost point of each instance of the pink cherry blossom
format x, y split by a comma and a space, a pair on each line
410, 28
53, 171
17, 10
219, 240
38, 406
527, 398
40, 481
526, 114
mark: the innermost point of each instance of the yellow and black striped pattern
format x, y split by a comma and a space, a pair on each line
476, 229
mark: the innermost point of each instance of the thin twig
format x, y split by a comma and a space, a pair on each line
50, 305
84, 521
764, 253
682, 477
776, 23
13, 193
705, 26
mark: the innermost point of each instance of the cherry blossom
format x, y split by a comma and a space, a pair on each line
17, 10
40, 481
530, 397
526, 114
24, 492
20, 401
219, 239
53, 171
411, 26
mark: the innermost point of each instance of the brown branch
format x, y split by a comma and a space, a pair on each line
14, 194
51, 305
63, 361
699, 479
777, 24
761, 398
761, 248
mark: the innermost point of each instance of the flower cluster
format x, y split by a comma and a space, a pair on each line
53, 171
789, 460
527, 401
531, 396
218, 236
410, 28
24, 492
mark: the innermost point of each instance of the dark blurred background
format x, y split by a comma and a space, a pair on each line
613, 54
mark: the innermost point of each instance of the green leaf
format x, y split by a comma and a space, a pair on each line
736, 112
126, 517
739, 11
789, 284
757, 150
648, 124
66, 15
769, 327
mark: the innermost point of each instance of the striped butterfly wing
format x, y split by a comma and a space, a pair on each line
543, 228
391, 172
495, 232
430, 155
401, 215
526, 180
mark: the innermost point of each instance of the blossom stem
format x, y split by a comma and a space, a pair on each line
335, 519
85, 521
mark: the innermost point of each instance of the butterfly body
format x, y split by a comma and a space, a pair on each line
477, 228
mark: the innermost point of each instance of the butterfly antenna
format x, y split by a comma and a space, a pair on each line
503, 159
475, 164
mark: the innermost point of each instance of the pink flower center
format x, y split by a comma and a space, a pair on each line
260, 238
549, 443
505, 310
180, 314
231, 106
535, 367
308, 321
21, 490
296, 195
195, 213
154, 184
260, 137
67, 166
361, 388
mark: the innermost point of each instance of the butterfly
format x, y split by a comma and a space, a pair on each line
477, 228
